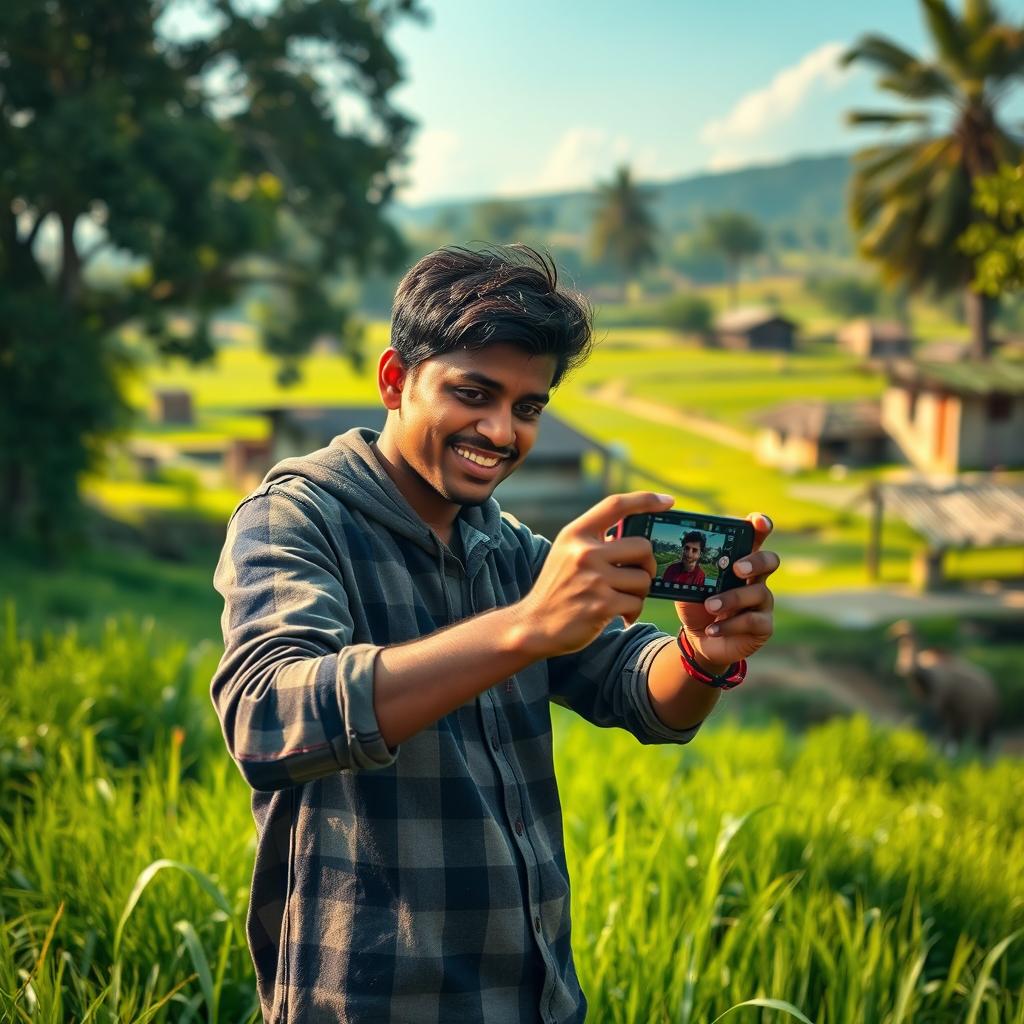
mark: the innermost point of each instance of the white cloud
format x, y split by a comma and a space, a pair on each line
741, 135
431, 168
580, 158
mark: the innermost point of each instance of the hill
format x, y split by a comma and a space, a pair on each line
807, 190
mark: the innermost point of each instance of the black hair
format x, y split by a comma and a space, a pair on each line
697, 536
458, 297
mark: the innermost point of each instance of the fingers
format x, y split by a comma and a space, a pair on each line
631, 551
763, 526
636, 582
755, 596
752, 623
595, 521
756, 566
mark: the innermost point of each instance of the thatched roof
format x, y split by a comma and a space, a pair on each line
824, 421
977, 378
747, 318
960, 515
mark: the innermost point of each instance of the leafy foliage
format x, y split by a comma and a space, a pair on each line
997, 243
910, 201
147, 179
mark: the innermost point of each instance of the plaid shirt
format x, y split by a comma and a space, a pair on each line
427, 882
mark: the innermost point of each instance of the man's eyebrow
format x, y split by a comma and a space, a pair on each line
494, 385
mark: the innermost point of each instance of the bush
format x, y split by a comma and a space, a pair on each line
691, 314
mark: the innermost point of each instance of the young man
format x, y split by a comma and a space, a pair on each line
687, 569
392, 643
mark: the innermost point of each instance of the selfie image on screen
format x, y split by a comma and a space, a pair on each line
691, 555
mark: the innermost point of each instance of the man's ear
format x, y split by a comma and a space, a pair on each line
391, 377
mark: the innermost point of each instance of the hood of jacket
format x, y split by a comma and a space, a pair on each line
348, 470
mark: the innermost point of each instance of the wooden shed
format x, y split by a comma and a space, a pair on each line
754, 329
958, 515
171, 405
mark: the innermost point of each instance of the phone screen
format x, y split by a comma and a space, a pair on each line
695, 554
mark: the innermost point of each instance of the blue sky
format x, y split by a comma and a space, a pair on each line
543, 95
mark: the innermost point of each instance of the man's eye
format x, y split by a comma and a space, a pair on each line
471, 393
531, 411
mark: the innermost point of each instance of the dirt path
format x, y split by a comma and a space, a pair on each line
613, 393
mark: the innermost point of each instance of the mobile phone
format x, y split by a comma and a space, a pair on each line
695, 552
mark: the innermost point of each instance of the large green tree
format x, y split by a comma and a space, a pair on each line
258, 149
910, 201
737, 237
624, 229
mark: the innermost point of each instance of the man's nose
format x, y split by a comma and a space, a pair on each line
497, 428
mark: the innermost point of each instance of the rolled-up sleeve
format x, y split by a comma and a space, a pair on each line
606, 682
293, 694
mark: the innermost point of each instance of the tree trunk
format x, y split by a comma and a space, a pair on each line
980, 310
734, 282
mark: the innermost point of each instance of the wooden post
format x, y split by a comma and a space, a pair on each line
875, 531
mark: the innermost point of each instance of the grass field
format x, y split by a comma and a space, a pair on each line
704, 875
823, 542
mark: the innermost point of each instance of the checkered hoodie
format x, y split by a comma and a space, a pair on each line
428, 882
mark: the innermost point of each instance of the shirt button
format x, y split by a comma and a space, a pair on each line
536, 925
519, 827
495, 745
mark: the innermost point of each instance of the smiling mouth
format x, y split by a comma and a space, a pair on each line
487, 464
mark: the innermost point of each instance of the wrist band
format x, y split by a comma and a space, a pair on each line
727, 680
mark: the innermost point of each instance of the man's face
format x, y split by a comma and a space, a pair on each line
466, 408
691, 554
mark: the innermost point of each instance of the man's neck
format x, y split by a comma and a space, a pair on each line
439, 517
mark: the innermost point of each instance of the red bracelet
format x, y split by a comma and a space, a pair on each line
727, 680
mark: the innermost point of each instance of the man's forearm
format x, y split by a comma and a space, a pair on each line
417, 683
679, 700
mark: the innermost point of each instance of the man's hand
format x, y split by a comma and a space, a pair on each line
587, 581
734, 624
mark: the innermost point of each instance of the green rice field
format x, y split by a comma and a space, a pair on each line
850, 874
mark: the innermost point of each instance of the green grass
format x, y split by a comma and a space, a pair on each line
852, 873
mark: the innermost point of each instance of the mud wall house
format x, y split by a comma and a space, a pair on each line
816, 434
947, 417
755, 329
171, 405
564, 474
875, 339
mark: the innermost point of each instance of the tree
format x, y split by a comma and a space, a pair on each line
997, 242
911, 201
496, 220
624, 229
264, 150
737, 237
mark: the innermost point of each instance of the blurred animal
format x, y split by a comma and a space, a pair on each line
962, 696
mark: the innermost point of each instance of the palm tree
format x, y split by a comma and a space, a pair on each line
911, 201
736, 236
624, 229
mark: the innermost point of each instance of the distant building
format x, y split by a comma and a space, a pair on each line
956, 516
565, 473
171, 405
753, 329
947, 417
816, 434
246, 462
875, 339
